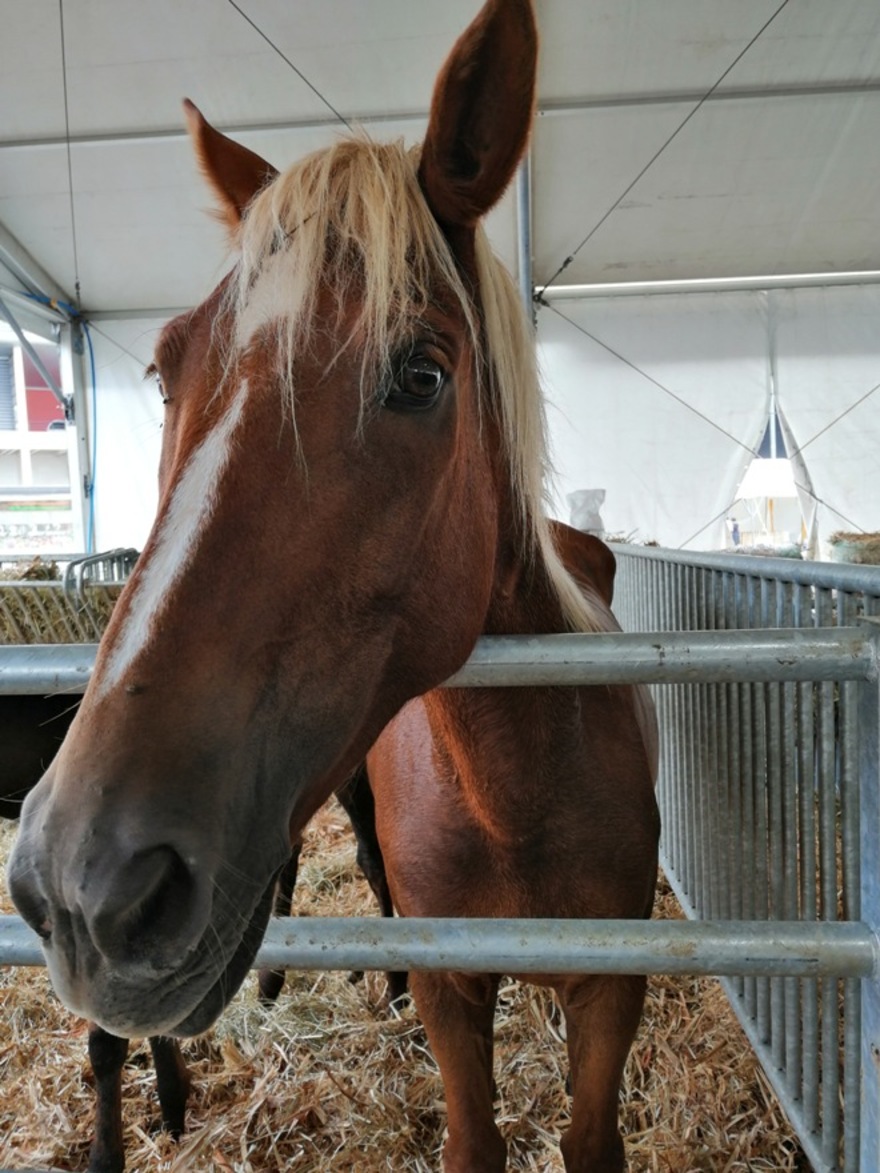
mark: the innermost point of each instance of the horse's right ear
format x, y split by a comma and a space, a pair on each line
481, 113
235, 173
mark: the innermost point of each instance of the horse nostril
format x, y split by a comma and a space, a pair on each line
153, 908
33, 908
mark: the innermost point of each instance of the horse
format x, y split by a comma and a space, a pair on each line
354, 410
31, 729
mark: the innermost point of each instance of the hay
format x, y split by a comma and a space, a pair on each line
330, 1080
36, 609
861, 548
34, 571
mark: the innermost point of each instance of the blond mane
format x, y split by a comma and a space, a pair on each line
355, 213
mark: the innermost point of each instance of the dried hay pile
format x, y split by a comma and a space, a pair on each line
861, 548
331, 1080
35, 608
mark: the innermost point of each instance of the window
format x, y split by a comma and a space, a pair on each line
7, 390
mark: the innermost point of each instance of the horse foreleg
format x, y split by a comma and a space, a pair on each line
107, 1055
172, 1082
458, 1013
270, 981
602, 1015
356, 799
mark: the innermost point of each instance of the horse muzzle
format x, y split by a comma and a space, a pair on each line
138, 932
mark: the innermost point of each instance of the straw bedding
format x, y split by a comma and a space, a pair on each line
330, 1079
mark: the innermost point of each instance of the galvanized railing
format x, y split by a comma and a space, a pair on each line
767, 794
765, 804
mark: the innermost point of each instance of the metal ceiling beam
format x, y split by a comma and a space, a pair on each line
27, 305
26, 269
707, 285
603, 289
33, 354
157, 311
546, 108
692, 97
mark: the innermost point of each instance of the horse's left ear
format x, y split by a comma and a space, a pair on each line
235, 173
481, 113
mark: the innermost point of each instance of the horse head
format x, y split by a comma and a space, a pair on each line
344, 490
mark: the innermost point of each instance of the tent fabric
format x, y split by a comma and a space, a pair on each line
828, 375
126, 433
660, 400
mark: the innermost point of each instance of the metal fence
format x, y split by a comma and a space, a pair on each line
766, 795
771, 803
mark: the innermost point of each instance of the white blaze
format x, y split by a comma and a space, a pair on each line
192, 504
277, 294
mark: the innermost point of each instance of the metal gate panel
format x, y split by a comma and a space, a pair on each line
765, 793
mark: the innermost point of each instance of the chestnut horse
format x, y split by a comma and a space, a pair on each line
355, 412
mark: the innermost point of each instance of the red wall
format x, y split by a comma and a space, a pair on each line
42, 406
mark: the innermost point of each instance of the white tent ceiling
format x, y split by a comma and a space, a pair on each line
775, 173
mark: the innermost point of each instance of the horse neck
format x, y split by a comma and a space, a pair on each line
501, 742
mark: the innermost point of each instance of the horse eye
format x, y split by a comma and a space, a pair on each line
417, 384
152, 372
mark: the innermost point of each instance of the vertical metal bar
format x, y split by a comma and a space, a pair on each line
828, 886
685, 869
710, 737
850, 851
760, 845
809, 897
524, 234
745, 604
869, 807
791, 987
80, 446
776, 862
852, 1037
700, 842
826, 846
830, 1134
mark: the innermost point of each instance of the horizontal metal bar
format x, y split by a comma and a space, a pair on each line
828, 575
669, 657
843, 653
792, 948
547, 108
36, 669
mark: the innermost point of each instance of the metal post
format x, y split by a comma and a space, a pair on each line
74, 383
524, 234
